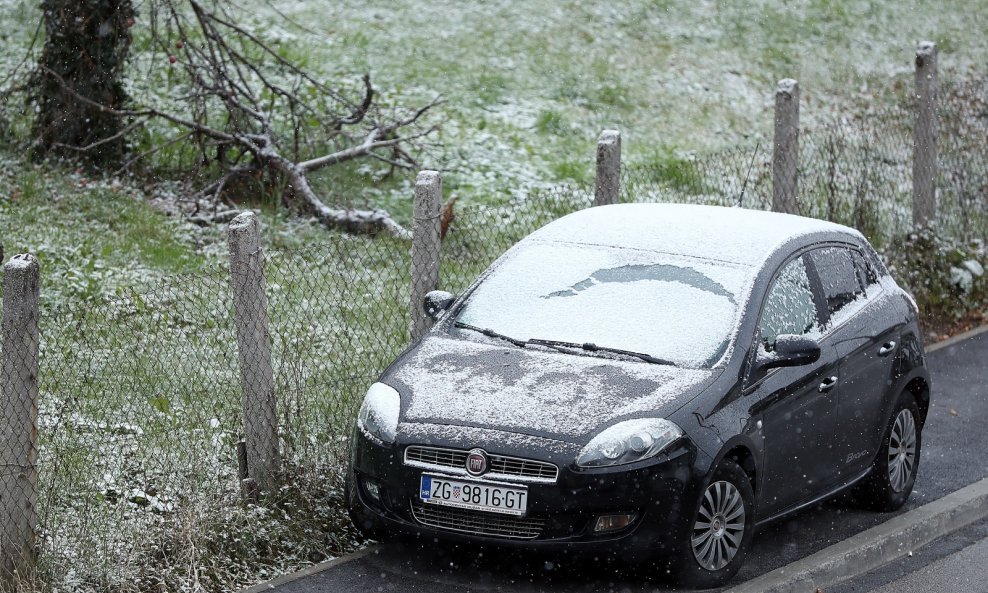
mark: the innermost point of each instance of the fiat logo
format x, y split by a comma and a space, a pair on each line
476, 462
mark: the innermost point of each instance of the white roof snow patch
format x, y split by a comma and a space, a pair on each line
714, 232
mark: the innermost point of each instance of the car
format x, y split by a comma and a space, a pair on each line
654, 381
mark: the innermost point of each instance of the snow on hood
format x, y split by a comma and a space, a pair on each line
568, 397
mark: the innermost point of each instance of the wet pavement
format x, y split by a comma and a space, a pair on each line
954, 454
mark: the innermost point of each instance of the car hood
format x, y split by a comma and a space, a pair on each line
545, 393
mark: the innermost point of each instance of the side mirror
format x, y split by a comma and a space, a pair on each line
791, 351
436, 303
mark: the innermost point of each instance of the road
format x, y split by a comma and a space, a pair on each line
956, 562
955, 454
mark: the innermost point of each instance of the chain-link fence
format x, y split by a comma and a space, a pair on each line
480, 234
138, 418
144, 399
734, 177
962, 197
856, 172
339, 316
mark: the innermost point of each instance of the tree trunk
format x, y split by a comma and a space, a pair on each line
86, 46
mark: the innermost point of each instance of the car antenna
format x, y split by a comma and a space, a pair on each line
747, 175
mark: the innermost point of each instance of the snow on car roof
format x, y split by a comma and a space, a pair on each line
736, 235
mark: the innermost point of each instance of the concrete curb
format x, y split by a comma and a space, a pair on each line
877, 546
306, 572
958, 338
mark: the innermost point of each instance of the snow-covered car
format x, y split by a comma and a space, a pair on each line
652, 381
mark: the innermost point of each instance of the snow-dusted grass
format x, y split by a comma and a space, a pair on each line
139, 408
530, 85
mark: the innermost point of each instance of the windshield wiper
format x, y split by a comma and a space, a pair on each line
491, 333
586, 346
590, 347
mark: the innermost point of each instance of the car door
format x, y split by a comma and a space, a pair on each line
796, 405
864, 326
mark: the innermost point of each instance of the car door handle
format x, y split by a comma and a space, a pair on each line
886, 349
827, 384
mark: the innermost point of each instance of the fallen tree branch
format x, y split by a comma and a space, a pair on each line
222, 80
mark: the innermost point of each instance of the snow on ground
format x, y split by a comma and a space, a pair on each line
528, 86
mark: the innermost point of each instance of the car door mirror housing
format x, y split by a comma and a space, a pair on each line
790, 351
437, 302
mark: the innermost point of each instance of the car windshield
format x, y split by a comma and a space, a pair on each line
672, 307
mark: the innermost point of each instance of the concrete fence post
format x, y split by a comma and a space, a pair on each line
608, 186
925, 136
785, 153
425, 246
250, 304
19, 417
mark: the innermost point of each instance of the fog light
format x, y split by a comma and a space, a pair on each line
373, 489
607, 523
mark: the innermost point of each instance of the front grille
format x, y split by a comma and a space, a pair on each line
436, 456
511, 466
477, 522
501, 466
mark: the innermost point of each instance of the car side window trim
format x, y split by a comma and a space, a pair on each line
816, 288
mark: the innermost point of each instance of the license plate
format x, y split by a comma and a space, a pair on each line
507, 500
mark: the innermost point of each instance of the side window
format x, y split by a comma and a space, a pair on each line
842, 281
789, 307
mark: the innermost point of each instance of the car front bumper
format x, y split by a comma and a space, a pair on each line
659, 492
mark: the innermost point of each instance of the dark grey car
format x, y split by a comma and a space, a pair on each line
657, 380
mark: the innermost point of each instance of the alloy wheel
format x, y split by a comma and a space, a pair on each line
719, 526
902, 450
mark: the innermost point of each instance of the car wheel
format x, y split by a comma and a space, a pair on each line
720, 529
894, 470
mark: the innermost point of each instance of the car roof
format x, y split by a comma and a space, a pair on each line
737, 235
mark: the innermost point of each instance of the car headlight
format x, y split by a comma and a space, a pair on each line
628, 442
378, 416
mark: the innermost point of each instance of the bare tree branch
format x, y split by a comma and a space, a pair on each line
93, 145
248, 110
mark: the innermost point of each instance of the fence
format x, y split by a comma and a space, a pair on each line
145, 402
159, 412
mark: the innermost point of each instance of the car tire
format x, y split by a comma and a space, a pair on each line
717, 538
893, 472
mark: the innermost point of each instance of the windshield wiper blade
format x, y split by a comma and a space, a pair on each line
591, 347
491, 333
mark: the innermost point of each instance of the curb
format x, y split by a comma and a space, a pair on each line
877, 546
306, 572
958, 338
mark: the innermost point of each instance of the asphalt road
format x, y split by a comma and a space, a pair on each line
954, 454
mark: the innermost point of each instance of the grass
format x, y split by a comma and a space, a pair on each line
139, 482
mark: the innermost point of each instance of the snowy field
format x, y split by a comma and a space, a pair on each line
139, 405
